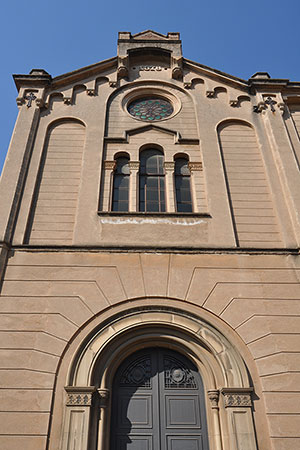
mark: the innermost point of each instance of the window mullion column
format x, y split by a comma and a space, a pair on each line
195, 184
169, 186
133, 185
109, 167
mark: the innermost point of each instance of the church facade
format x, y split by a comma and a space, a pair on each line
150, 228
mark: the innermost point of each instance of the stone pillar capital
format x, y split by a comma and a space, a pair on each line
109, 165
104, 397
169, 166
213, 396
134, 165
195, 166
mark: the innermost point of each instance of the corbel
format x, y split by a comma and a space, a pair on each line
234, 103
187, 85
90, 91
261, 106
122, 66
176, 64
20, 101
210, 94
67, 100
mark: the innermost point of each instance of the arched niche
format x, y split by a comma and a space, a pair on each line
254, 217
53, 211
225, 377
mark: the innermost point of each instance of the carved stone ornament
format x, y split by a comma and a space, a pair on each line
213, 396
281, 106
233, 103
195, 166
67, 100
20, 101
239, 397
79, 396
259, 107
169, 166
40, 102
270, 102
30, 97
187, 85
90, 92
134, 165
109, 165
112, 84
210, 94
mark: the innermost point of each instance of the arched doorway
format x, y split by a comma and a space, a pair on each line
158, 403
92, 391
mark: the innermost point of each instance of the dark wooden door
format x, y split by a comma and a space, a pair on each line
158, 403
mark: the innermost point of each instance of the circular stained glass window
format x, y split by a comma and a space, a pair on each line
150, 109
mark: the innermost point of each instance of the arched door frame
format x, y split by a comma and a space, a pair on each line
223, 371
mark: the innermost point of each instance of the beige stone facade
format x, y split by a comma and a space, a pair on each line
85, 286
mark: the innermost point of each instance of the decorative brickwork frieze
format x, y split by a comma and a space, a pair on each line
79, 396
237, 397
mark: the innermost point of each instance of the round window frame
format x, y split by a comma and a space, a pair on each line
151, 92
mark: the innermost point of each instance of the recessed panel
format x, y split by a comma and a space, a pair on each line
134, 442
182, 411
184, 443
135, 412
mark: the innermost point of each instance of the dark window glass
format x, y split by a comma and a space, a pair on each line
152, 182
121, 185
183, 186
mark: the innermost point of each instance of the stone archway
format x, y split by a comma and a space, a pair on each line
226, 383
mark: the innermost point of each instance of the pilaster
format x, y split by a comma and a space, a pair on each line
238, 405
77, 417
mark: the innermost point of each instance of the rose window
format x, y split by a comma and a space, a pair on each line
150, 109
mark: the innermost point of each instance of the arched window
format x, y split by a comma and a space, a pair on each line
183, 186
120, 198
152, 181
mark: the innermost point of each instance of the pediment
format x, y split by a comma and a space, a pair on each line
149, 35
149, 127
175, 135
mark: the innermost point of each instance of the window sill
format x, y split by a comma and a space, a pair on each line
153, 214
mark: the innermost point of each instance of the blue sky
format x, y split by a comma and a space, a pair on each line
239, 38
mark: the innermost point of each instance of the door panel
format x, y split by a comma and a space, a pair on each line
158, 403
182, 411
184, 443
137, 409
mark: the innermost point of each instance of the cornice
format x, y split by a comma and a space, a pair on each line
84, 72
209, 71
